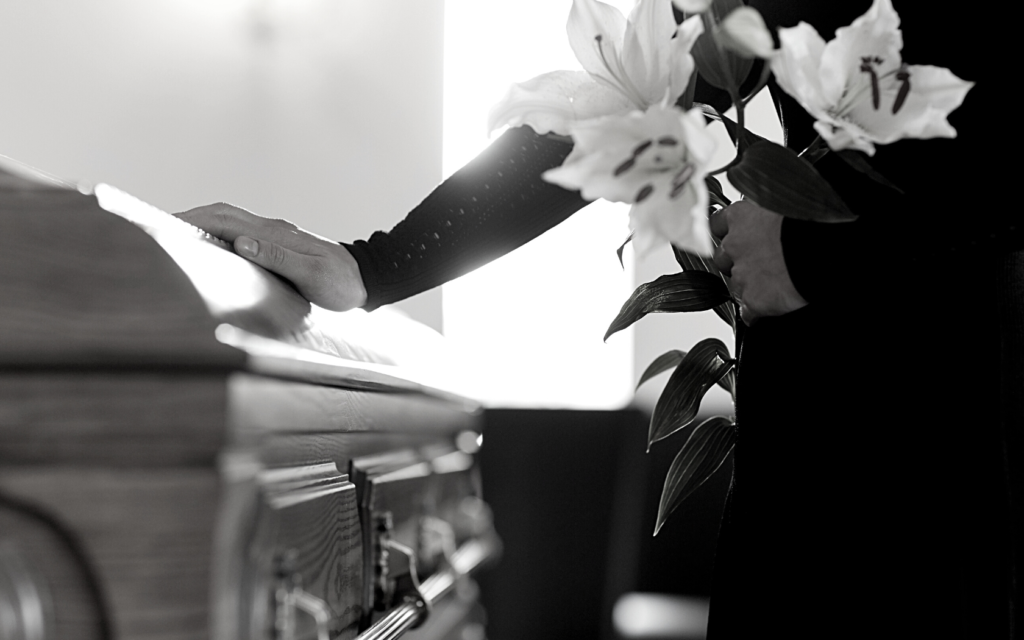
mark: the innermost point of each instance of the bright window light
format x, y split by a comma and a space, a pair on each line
530, 325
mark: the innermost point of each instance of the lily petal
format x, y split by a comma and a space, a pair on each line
589, 19
647, 48
553, 101
683, 222
839, 135
601, 146
682, 63
699, 143
876, 36
934, 93
796, 67
655, 160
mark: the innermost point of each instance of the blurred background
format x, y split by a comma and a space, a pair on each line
341, 115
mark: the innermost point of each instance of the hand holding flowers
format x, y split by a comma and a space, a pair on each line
758, 277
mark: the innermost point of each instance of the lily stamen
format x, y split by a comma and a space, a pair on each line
622, 82
903, 75
684, 175
643, 146
851, 98
867, 66
624, 167
680, 180
677, 190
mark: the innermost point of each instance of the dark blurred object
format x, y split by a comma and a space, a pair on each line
575, 499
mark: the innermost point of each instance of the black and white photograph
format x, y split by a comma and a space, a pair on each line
476, 320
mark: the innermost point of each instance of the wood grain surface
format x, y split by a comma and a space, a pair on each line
259, 405
289, 528
84, 287
147, 533
140, 419
60, 581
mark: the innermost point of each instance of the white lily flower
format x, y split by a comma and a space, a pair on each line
628, 65
655, 160
857, 87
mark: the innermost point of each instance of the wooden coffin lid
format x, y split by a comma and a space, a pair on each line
103, 280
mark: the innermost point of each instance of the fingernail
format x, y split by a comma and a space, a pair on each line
247, 246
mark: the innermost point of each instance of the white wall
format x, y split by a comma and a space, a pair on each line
325, 112
530, 324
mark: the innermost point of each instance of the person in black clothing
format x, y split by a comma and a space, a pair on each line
878, 470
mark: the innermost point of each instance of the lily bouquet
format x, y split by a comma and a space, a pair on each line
640, 138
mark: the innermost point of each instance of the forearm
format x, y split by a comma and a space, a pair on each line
491, 206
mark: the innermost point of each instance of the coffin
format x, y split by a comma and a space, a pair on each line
188, 449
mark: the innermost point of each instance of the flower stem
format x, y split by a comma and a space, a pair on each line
766, 72
710, 24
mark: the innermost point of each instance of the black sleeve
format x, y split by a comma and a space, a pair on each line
494, 204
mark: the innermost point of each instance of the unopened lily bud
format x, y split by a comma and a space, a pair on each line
744, 33
691, 7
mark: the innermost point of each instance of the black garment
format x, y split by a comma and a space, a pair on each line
877, 480
494, 204
879, 440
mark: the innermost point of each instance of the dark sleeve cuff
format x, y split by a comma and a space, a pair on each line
362, 257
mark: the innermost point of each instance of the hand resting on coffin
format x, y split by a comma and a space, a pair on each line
323, 271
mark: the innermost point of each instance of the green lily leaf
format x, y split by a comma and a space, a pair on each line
704, 365
727, 312
623, 248
691, 262
670, 359
704, 452
705, 53
715, 191
732, 127
776, 178
857, 160
664, 362
687, 291
728, 381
